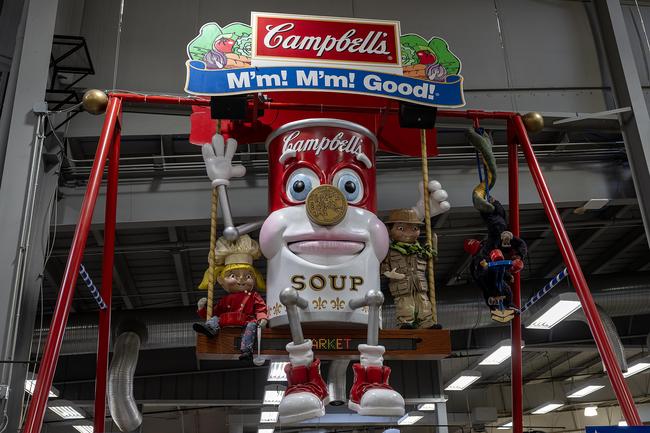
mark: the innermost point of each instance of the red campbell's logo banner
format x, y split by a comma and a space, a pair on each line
323, 39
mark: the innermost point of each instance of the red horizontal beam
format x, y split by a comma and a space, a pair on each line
203, 101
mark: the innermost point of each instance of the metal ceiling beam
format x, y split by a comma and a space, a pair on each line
178, 265
619, 248
544, 235
117, 279
124, 280
626, 84
140, 205
556, 264
535, 376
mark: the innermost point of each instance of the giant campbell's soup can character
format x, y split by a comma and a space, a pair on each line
324, 246
322, 237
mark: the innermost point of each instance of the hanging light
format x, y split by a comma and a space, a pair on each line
410, 418
276, 372
269, 415
273, 394
427, 407
638, 366
547, 407
499, 353
586, 388
30, 384
506, 426
463, 380
558, 309
591, 411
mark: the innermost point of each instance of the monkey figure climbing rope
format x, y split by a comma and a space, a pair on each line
496, 258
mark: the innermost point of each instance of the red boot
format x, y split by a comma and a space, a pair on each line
306, 394
371, 394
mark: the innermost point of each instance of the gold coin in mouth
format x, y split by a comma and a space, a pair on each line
326, 205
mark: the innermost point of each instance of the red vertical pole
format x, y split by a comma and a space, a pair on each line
515, 327
36, 410
619, 385
104, 338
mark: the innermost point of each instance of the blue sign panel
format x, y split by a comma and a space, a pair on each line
219, 82
616, 429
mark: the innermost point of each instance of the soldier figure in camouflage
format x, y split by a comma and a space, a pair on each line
405, 267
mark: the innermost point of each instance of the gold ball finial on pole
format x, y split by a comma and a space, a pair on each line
533, 121
95, 101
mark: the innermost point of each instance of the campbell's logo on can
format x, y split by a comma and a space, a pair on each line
324, 39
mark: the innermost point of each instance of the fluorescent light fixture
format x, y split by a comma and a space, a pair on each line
591, 411
427, 407
592, 204
30, 384
622, 423
498, 354
506, 426
276, 372
265, 430
585, 389
558, 309
273, 394
637, 367
86, 428
269, 416
410, 418
66, 411
464, 379
547, 407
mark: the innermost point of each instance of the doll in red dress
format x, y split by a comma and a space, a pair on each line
242, 307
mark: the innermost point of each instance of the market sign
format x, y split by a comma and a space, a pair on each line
304, 53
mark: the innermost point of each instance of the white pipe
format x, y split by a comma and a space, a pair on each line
121, 403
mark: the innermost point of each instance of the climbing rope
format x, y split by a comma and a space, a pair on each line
213, 243
427, 224
93, 289
547, 288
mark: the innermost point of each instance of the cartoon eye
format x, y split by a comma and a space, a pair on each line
350, 184
300, 183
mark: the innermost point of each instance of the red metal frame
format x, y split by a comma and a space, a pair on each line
110, 142
515, 328
103, 340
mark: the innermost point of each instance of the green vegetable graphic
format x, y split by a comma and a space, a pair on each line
413, 44
202, 44
243, 46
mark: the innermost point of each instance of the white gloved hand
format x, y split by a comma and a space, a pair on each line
218, 160
203, 302
262, 323
437, 200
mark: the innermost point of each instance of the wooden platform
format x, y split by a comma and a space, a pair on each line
403, 344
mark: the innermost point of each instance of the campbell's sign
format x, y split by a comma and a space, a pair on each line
293, 142
280, 52
325, 40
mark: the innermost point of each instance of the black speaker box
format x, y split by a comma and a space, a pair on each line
229, 107
417, 116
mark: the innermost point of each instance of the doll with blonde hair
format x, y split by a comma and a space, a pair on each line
242, 307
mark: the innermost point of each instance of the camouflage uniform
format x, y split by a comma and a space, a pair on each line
412, 292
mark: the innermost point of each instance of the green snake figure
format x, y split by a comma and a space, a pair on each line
481, 141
